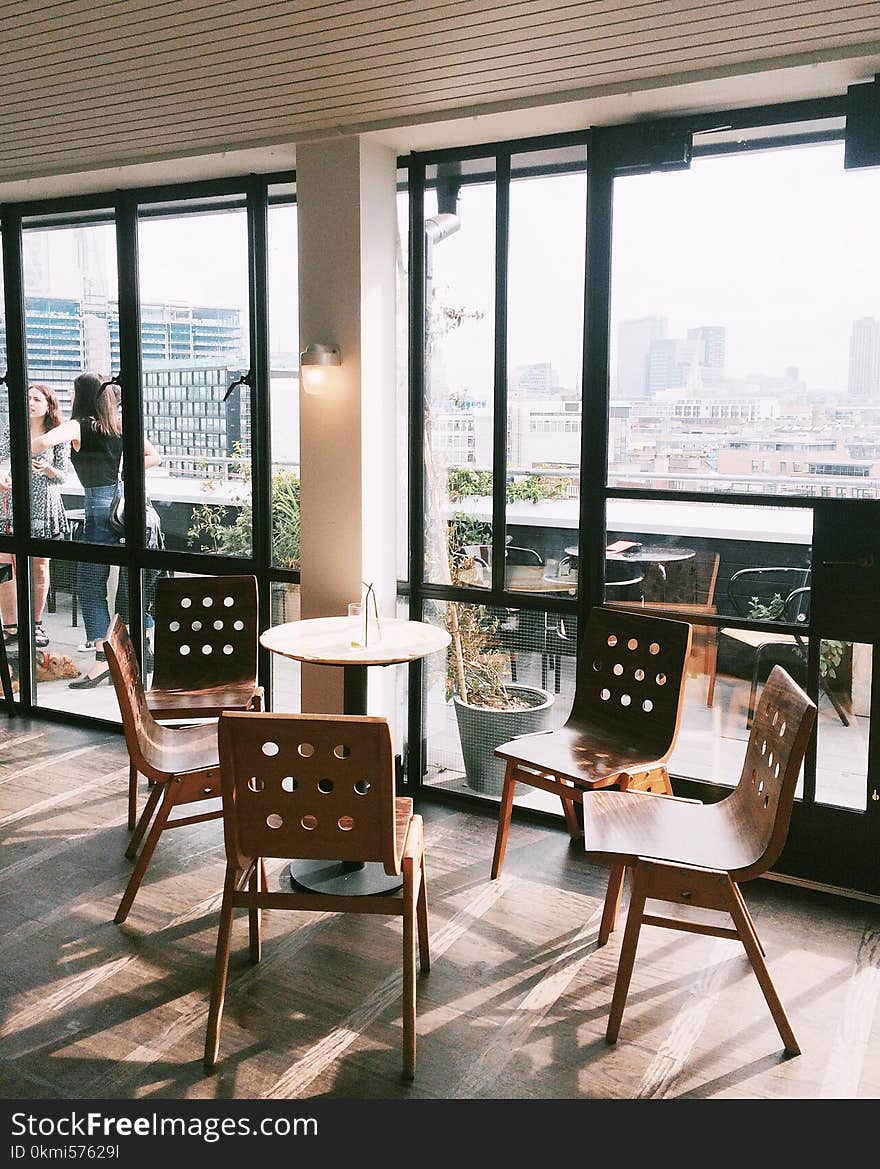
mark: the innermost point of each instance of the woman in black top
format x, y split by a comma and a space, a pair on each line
95, 435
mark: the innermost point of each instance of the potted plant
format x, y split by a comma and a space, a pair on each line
489, 709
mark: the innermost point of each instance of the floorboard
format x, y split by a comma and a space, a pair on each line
515, 1006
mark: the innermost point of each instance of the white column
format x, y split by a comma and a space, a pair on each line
347, 226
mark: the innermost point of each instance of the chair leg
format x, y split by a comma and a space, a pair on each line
221, 968
132, 796
711, 667
256, 884
627, 953
748, 938
144, 822
146, 854
613, 894
753, 691
504, 813
572, 823
409, 969
422, 920
749, 918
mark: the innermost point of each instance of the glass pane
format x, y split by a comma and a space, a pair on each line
71, 320
5, 476
402, 400
284, 384
842, 746
507, 654
69, 655
459, 363
545, 358
741, 359
286, 693
195, 332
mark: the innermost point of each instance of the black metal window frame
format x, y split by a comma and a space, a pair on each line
609, 154
123, 208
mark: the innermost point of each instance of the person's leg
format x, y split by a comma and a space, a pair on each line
91, 584
41, 585
8, 600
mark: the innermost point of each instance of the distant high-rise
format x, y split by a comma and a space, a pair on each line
713, 338
672, 363
634, 340
864, 359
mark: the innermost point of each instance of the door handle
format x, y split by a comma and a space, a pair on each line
865, 561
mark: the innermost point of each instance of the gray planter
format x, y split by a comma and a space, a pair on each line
482, 729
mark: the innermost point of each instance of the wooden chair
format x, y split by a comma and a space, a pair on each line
623, 722
690, 591
316, 787
205, 653
182, 762
691, 854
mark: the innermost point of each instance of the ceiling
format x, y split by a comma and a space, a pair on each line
113, 93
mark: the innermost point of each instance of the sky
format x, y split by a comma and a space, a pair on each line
782, 247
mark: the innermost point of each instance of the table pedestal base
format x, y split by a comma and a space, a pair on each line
345, 878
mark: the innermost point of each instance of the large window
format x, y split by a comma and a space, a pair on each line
196, 337
731, 356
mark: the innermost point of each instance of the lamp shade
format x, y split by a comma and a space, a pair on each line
315, 364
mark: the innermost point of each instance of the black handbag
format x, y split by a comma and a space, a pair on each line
116, 518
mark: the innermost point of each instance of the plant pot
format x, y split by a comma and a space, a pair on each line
482, 729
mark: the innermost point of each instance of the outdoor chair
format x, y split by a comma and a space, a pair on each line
696, 855
182, 762
204, 652
623, 722
771, 595
319, 787
688, 591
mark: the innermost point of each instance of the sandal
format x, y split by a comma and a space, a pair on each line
10, 633
41, 637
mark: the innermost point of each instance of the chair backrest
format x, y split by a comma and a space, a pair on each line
630, 678
782, 593
308, 786
206, 631
143, 735
514, 554
760, 805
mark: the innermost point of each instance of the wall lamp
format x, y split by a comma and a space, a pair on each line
315, 365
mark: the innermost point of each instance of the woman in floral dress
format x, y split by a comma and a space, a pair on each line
48, 521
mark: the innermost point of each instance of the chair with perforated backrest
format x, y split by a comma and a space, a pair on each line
182, 762
316, 787
623, 722
205, 652
692, 854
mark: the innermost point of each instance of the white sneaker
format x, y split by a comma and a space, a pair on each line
85, 646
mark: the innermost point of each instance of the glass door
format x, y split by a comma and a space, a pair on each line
742, 469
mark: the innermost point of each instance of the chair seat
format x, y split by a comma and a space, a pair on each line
207, 702
179, 750
590, 759
758, 637
633, 825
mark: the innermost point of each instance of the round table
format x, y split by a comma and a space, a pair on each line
327, 641
659, 554
520, 578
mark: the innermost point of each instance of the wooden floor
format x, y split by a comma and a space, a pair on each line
515, 1005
